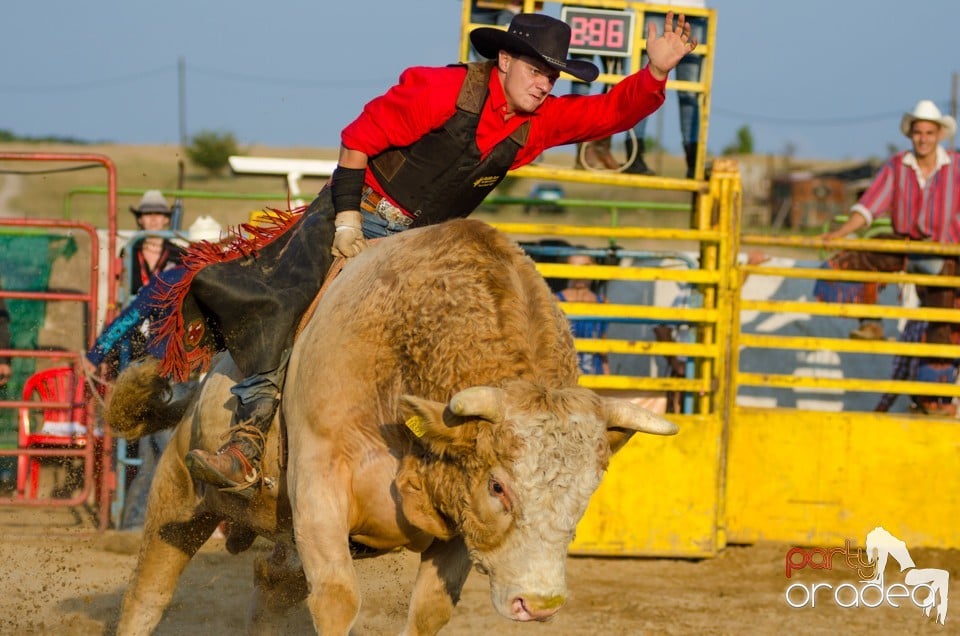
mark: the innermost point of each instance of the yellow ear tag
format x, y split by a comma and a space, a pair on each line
415, 424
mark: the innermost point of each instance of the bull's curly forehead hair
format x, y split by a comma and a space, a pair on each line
496, 443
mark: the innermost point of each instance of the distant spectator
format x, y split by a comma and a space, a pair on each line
940, 370
919, 190
151, 254
580, 290
676, 366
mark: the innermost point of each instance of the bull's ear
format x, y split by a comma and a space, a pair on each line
626, 417
434, 425
479, 401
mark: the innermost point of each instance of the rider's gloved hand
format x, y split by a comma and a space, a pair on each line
348, 240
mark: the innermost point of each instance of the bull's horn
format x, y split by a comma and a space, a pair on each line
479, 401
625, 414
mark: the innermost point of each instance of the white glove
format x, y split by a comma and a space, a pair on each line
348, 239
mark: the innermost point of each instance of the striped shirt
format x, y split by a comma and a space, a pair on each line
919, 210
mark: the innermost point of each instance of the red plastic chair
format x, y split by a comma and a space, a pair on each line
52, 427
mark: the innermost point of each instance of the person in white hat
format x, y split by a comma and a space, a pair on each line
919, 191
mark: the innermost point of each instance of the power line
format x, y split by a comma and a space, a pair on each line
286, 81
86, 85
846, 120
246, 78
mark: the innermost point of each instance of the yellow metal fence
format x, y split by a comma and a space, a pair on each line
739, 472
662, 496
820, 477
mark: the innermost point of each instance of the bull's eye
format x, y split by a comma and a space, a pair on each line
499, 492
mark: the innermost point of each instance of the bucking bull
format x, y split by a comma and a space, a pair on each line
431, 403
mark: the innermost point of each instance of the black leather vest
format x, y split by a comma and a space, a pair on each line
441, 176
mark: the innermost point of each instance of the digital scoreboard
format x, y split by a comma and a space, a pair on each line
599, 31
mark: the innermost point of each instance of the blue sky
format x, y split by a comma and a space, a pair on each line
829, 79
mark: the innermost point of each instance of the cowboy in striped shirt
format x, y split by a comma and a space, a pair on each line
919, 190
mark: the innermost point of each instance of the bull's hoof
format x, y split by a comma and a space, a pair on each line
239, 538
223, 470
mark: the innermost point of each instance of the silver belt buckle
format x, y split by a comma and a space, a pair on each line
392, 214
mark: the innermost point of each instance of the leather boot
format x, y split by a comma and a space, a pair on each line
690, 152
663, 333
638, 165
606, 160
868, 330
595, 155
588, 158
235, 467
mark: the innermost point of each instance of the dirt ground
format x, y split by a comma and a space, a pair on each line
61, 577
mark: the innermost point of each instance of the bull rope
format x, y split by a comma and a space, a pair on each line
335, 268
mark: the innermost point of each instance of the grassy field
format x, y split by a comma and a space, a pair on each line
49, 189
46, 194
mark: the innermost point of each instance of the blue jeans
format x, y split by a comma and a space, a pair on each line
375, 226
607, 65
688, 70
924, 264
135, 502
151, 448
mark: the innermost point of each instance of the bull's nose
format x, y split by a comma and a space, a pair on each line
536, 608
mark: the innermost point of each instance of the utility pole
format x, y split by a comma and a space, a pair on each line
182, 95
660, 141
953, 108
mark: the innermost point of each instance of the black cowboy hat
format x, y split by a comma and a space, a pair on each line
538, 36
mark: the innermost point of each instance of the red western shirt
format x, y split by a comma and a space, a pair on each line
425, 98
922, 210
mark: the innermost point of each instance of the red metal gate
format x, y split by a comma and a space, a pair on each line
93, 446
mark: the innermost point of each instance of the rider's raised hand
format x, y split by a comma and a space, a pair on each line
666, 51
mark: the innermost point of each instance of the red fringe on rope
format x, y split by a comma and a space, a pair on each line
242, 241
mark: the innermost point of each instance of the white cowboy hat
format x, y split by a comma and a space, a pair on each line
925, 110
205, 228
